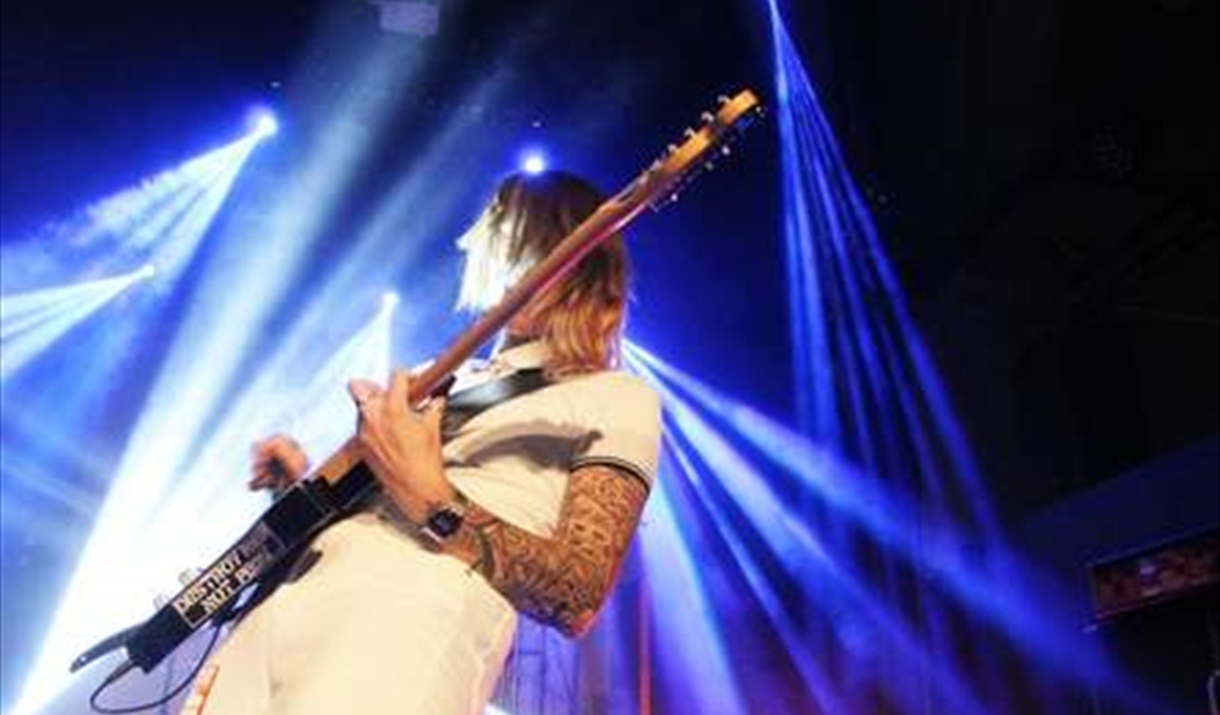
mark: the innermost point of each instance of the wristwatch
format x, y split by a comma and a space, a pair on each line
444, 520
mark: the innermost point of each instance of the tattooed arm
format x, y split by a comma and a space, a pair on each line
561, 581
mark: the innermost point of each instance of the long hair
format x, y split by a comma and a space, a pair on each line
581, 318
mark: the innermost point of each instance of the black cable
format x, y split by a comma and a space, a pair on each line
127, 666
220, 619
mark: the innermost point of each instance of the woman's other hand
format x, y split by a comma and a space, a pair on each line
278, 462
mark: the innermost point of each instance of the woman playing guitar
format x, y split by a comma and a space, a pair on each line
409, 606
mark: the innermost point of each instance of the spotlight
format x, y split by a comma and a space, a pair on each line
263, 123
533, 162
389, 300
148, 270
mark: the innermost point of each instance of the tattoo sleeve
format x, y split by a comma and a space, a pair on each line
561, 581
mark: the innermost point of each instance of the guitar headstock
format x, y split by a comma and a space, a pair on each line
700, 148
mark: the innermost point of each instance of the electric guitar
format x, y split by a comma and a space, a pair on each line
343, 480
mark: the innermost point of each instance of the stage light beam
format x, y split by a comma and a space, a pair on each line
31, 322
389, 301
203, 513
985, 578
163, 221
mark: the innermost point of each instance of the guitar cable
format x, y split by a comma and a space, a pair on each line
127, 665
226, 614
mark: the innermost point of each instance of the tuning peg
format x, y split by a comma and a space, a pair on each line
709, 165
671, 149
707, 117
726, 150
187, 576
689, 133
722, 100
161, 600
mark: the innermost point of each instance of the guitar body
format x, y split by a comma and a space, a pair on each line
271, 544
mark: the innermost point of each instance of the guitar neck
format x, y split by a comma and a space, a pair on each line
658, 183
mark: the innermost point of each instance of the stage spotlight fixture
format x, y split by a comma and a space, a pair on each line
533, 162
263, 123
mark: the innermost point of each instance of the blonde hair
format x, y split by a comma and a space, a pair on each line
580, 319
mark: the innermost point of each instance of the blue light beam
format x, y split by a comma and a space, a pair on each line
175, 529
161, 220
680, 601
31, 322
985, 577
848, 310
791, 542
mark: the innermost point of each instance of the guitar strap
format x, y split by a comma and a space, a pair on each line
464, 405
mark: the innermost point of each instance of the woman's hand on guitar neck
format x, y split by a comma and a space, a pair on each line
278, 462
402, 444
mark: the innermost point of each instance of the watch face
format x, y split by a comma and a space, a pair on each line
445, 522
